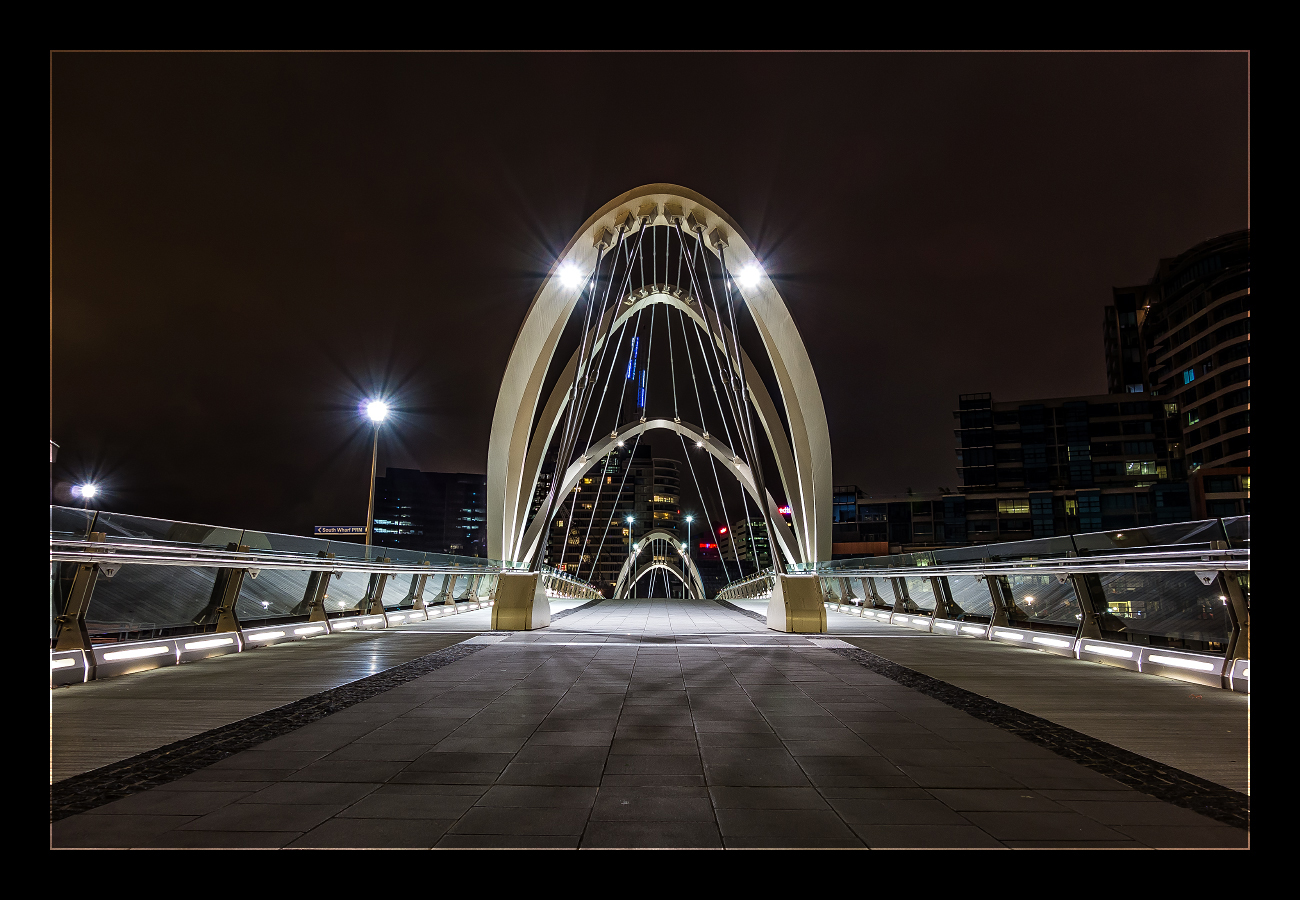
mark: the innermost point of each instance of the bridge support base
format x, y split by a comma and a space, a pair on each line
796, 606
521, 602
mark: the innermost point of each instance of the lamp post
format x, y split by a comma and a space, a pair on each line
377, 411
631, 563
689, 520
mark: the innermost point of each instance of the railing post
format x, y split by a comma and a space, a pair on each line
1239, 614
901, 597
373, 602
944, 606
416, 595
313, 599
225, 594
1088, 594
72, 633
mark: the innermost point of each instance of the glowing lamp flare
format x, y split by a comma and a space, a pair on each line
377, 410
87, 491
749, 276
570, 277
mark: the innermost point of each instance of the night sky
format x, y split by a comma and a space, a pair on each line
244, 246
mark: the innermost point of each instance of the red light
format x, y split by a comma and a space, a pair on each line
722, 531
785, 510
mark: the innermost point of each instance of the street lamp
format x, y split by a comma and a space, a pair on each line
376, 411
87, 493
631, 563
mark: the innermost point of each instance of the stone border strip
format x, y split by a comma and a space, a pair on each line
152, 768
1138, 772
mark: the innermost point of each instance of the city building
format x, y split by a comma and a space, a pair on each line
1184, 337
438, 512
744, 542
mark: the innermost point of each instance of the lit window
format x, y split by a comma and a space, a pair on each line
1189, 375
1245, 483
1140, 467
1016, 507
1071, 506
1193, 417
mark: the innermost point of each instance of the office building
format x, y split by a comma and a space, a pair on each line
438, 512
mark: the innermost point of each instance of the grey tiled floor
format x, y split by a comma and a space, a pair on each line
645, 724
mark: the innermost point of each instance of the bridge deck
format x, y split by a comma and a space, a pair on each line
633, 723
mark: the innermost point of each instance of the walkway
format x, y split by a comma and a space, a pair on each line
641, 724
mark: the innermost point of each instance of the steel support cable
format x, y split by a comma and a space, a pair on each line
617, 497
595, 510
583, 384
589, 381
756, 463
704, 503
699, 296
548, 507
690, 359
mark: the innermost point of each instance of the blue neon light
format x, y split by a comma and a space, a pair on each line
641, 393
631, 362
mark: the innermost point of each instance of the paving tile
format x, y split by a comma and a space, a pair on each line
1075, 845
522, 820
1118, 793
409, 806
1052, 773
380, 751
112, 831
841, 747
651, 834
653, 765
224, 840
571, 738
903, 790
962, 799
561, 753
653, 804
509, 842
369, 770
375, 833
766, 739
784, 827
460, 761
908, 756
211, 774
575, 774
896, 812
339, 794
169, 803
545, 796
450, 790
643, 747
265, 817
955, 837
847, 765
1111, 813
651, 780
1041, 826
732, 725
435, 777
579, 723
1179, 837
958, 777
766, 798
190, 783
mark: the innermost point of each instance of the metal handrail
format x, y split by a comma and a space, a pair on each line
1174, 561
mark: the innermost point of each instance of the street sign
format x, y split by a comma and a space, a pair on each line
321, 530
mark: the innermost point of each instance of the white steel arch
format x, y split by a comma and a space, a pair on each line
695, 582
650, 566
805, 473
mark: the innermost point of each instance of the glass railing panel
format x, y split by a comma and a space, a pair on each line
273, 593
120, 527
1238, 530
398, 590
1043, 598
347, 590
1172, 605
971, 595
140, 600
1179, 536
67, 523
878, 592
286, 543
1039, 548
921, 592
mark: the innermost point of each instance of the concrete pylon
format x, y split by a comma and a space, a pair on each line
521, 603
796, 606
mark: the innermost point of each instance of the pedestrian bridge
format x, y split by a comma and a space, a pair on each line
626, 722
